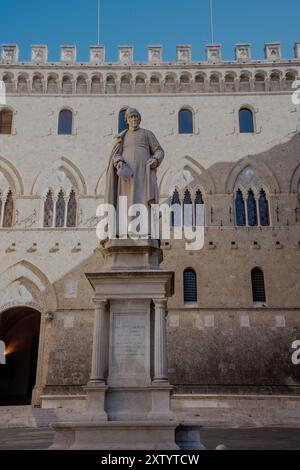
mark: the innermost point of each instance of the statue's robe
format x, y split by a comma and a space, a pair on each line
135, 148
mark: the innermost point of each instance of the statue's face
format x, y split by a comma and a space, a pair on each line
133, 121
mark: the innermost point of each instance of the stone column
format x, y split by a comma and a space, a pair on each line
160, 342
99, 355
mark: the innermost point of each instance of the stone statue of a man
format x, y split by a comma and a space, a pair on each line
132, 166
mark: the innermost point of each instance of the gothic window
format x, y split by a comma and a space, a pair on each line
240, 214
48, 210
290, 77
190, 285
60, 210
170, 84
65, 122
199, 209
175, 210
251, 209
122, 123
246, 121
258, 285
185, 121
185, 84
6, 117
8, 210
72, 210
263, 209
187, 209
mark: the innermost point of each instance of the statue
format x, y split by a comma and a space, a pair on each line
132, 167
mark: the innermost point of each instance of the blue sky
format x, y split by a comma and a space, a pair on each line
141, 23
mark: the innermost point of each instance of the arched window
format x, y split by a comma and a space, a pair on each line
251, 209
170, 84
155, 84
190, 285
81, 85
275, 81
60, 210
67, 85
259, 83
229, 83
122, 123
214, 84
199, 209
72, 210
290, 77
187, 209
9, 83
185, 121
175, 210
52, 86
8, 210
65, 122
246, 121
125, 84
6, 117
96, 85
140, 84
240, 214
199, 85
48, 210
22, 85
244, 82
185, 84
37, 84
258, 285
110, 84
263, 209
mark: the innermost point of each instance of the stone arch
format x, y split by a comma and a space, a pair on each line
295, 180
260, 168
37, 289
190, 174
72, 172
12, 176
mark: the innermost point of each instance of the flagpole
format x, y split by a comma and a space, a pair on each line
98, 22
211, 21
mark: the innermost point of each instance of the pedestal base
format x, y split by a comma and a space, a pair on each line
125, 435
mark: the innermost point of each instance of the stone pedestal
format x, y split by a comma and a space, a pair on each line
128, 395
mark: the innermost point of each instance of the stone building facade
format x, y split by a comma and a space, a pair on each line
232, 323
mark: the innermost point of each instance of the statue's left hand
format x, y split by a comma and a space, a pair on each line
153, 163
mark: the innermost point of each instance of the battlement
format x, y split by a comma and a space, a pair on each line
213, 54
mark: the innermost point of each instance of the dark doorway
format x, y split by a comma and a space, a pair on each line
20, 330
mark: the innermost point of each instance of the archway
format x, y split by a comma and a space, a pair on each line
20, 330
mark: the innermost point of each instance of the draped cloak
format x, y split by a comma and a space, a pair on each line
135, 148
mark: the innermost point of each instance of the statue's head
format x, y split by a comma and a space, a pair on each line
133, 118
